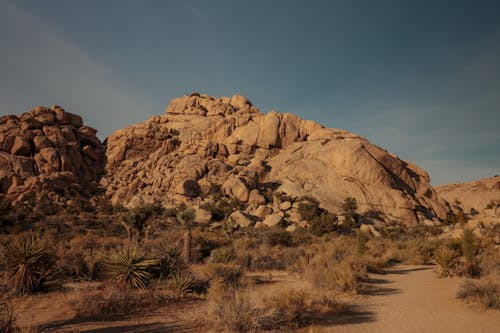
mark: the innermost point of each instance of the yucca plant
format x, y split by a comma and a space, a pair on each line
446, 258
28, 265
129, 267
181, 282
222, 255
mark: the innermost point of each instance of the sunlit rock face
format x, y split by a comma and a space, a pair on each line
48, 151
203, 143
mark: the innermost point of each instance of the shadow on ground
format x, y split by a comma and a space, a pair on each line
356, 315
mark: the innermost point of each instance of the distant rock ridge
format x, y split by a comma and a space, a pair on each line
202, 143
49, 151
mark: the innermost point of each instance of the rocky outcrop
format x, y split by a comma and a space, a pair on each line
479, 199
204, 144
48, 151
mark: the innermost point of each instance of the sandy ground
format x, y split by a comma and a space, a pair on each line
412, 299
402, 299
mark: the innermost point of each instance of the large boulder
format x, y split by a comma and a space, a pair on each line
232, 150
43, 151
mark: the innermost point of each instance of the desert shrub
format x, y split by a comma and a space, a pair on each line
170, 260
489, 258
446, 258
129, 267
320, 220
206, 242
471, 267
222, 208
332, 267
223, 255
182, 282
292, 308
275, 237
113, 302
416, 251
7, 318
226, 273
288, 308
360, 243
231, 309
80, 257
484, 292
28, 265
137, 221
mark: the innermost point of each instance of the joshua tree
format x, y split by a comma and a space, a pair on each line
187, 217
137, 222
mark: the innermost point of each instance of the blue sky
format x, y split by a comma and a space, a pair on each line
419, 78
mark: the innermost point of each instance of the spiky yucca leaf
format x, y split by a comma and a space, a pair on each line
28, 264
129, 267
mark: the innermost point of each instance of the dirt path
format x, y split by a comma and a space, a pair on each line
412, 299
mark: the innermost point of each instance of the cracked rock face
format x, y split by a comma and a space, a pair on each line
50, 151
203, 143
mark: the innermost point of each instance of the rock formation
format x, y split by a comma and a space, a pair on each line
204, 145
49, 151
479, 199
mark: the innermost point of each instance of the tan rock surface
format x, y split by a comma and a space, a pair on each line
228, 142
48, 151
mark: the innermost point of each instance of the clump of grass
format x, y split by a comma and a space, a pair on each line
484, 292
231, 308
182, 282
446, 258
288, 308
468, 249
28, 265
223, 255
7, 318
227, 273
129, 267
292, 308
360, 243
113, 302
325, 273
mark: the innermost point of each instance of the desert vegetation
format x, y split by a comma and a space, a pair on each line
132, 262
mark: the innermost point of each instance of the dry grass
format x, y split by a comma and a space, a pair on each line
7, 317
332, 267
231, 309
485, 292
112, 302
446, 258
